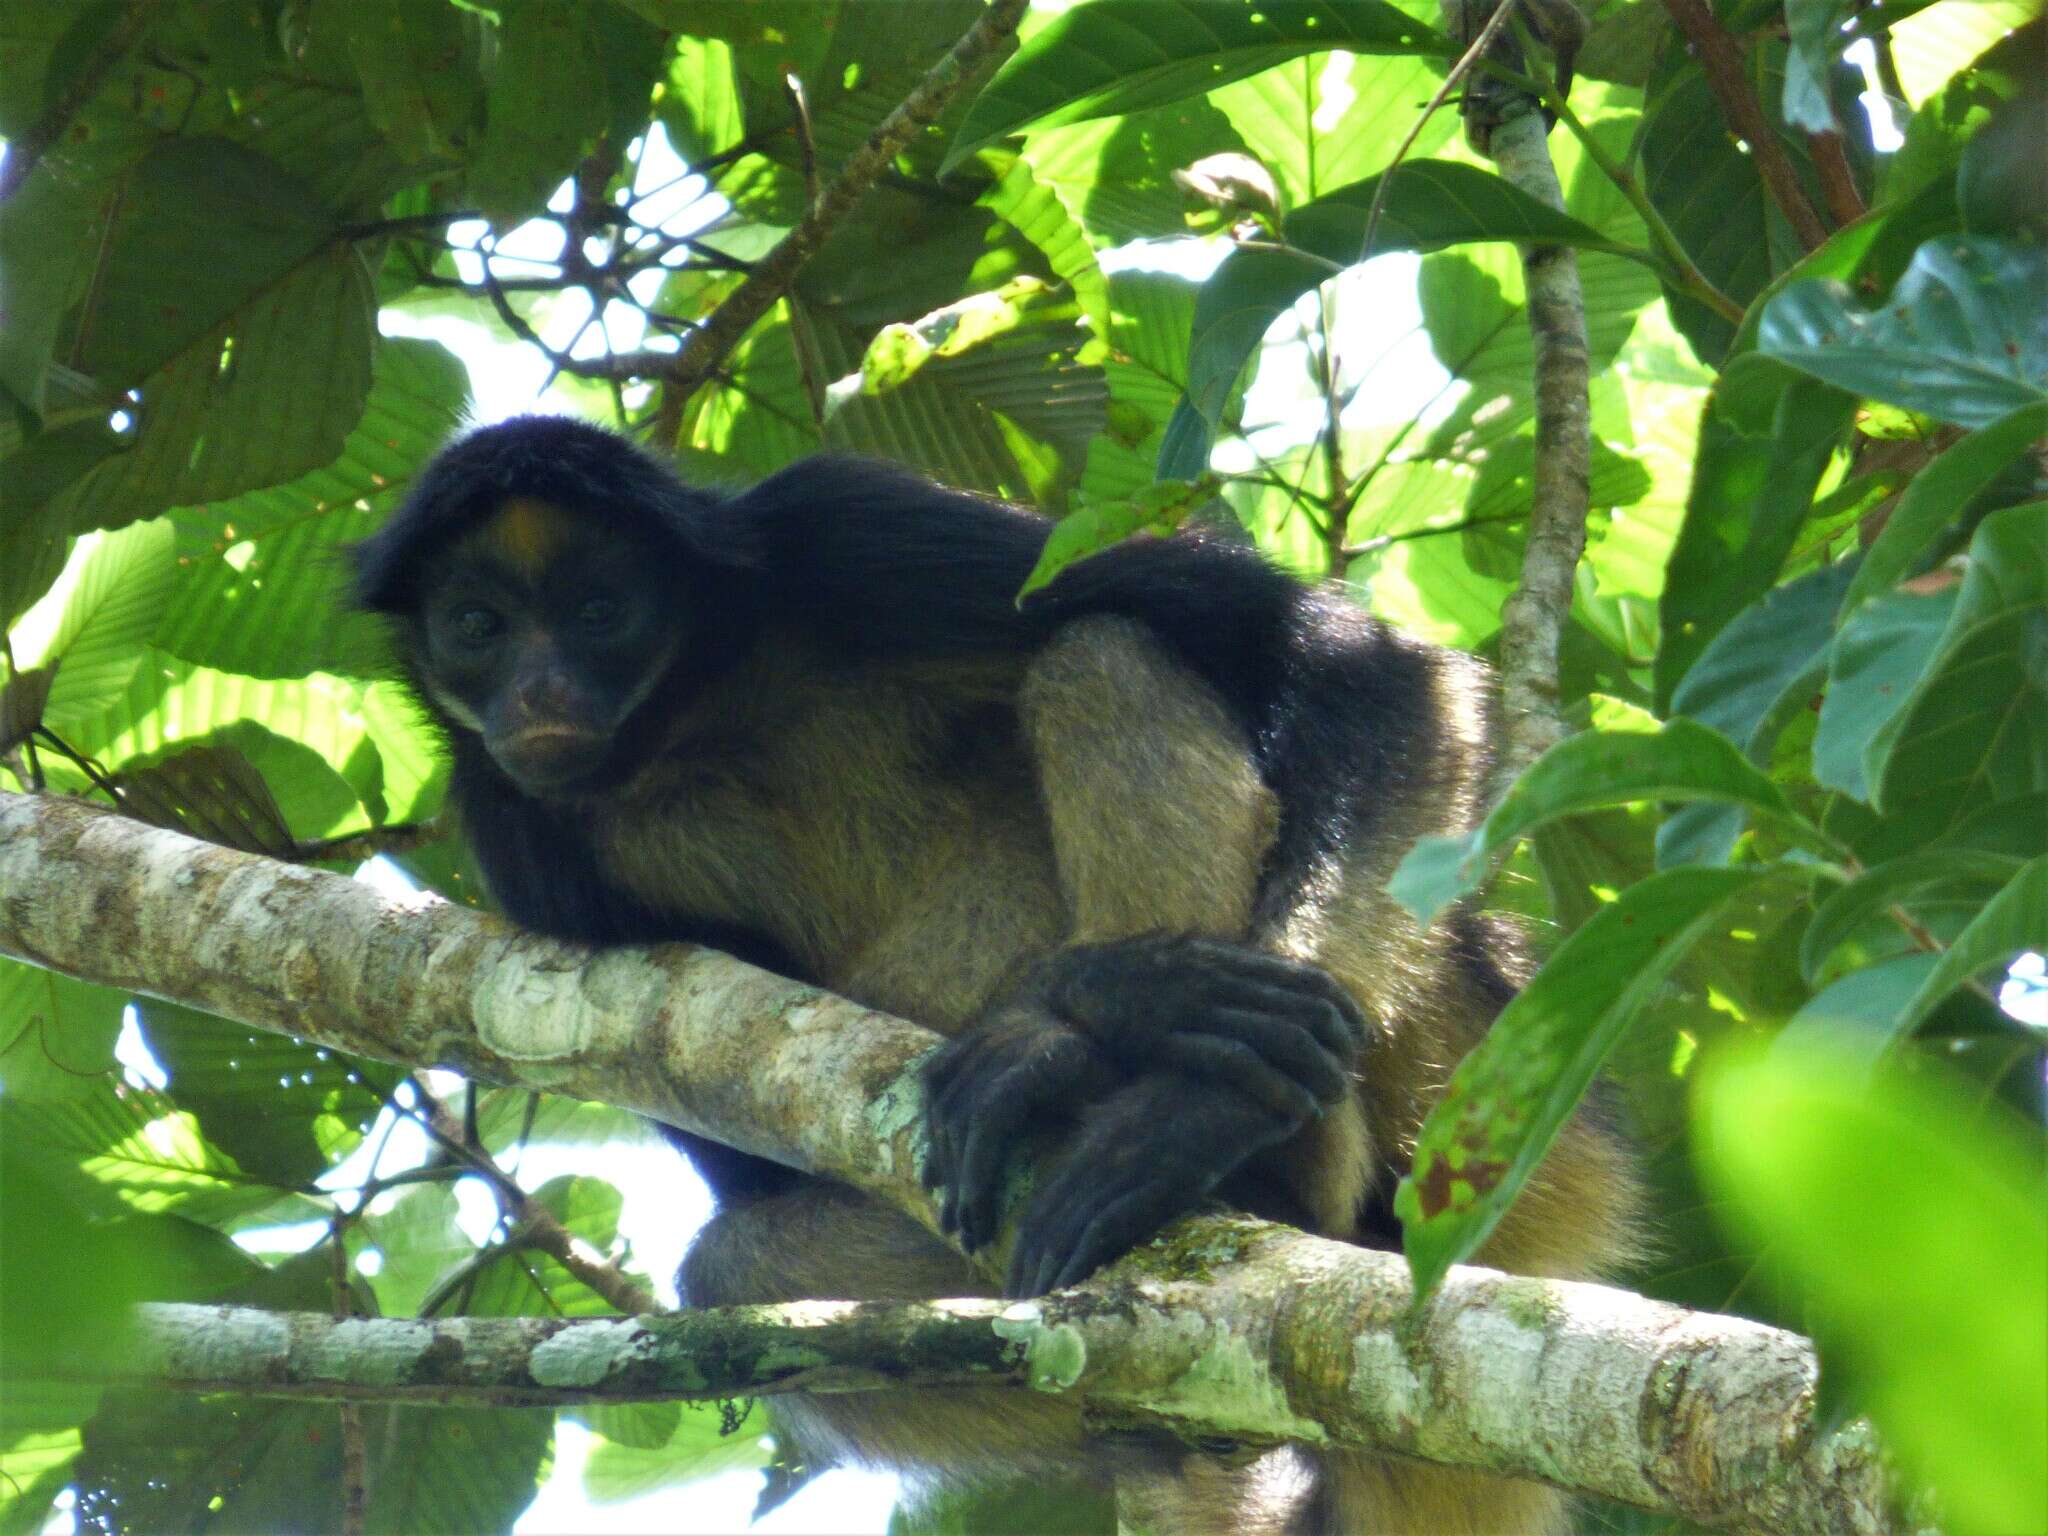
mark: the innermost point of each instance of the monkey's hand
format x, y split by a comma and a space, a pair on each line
1151, 1151
1280, 1032
984, 1089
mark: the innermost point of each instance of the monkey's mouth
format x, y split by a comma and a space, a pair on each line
550, 757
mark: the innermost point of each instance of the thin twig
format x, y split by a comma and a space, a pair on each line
355, 1455
1720, 57
682, 373
26, 151
1456, 74
1837, 179
806, 146
529, 1224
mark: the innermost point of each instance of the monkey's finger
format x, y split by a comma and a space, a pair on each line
1230, 1063
1277, 970
1113, 1231
990, 1143
1282, 1045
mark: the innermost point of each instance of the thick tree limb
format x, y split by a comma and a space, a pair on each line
1223, 1327
1533, 619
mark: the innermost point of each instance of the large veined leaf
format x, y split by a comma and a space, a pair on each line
1976, 726
270, 608
546, 102
1106, 57
1939, 493
1289, 118
266, 394
1963, 337
1749, 684
1590, 771
1879, 655
1430, 204
1510, 1097
1766, 438
1894, 883
91, 625
201, 228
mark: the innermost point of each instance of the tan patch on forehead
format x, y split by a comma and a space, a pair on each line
527, 534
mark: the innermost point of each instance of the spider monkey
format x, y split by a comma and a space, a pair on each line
1124, 846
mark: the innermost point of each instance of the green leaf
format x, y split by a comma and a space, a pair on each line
92, 624
418, 1240
1857, 1015
266, 602
900, 350
1962, 338
1095, 526
1770, 657
268, 393
1115, 175
56, 1035
2012, 922
457, 1469
259, 1097
1703, 179
1430, 204
1976, 726
201, 229
1589, 771
1766, 438
1108, 57
1939, 494
1879, 655
1895, 883
703, 1445
1508, 1100
47, 226
1029, 206
1749, 684
1817, 38
1915, 1228
1285, 116
546, 103
417, 65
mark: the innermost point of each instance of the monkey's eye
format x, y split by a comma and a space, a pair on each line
598, 613
476, 624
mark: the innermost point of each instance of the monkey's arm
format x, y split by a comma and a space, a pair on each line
1190, 1050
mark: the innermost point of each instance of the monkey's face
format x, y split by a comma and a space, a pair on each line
543, 633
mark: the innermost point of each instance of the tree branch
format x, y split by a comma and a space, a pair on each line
1223, 1326
1533, 618
1720, 57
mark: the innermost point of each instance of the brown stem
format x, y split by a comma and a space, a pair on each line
25, 153
684, 372
1720, 57
532, 1224
1837, 180
355, 1454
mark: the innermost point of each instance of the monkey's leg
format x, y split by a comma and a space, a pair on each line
1161, 826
